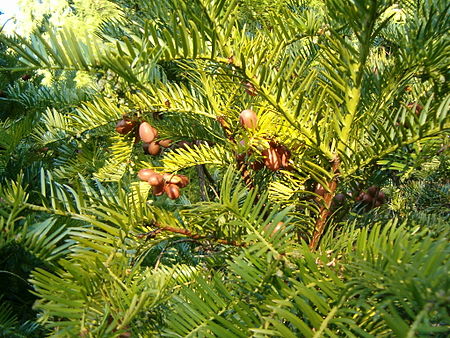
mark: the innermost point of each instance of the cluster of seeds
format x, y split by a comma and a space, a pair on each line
276, 157
372, 198
161, 183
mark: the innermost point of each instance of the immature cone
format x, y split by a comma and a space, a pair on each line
147, 133
154, 148
144, 174
124, 126
172, 191
248, 119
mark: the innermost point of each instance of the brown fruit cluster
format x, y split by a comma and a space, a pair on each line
148, 135
372, 198
164, 183
276, 157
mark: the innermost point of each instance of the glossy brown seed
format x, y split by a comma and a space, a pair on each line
172, 191
144, 174
124, 126
360, 196
184, 181
248, 119
158, 190
172, 179
154, 148
165, 143
26, 77
147, 133
155, 179
271, 160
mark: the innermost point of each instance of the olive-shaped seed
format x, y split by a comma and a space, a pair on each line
154, 148
144, 174
165, 143
147, 133
172, 191
248, 119
158, 190
155, 179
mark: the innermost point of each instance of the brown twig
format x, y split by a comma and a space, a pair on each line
325, 209
188, 233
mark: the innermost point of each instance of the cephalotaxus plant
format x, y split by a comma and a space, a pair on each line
331, 93
300, 105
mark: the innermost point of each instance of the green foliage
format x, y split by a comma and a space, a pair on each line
355, 93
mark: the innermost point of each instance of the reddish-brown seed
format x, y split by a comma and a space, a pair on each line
124, 126
381, 196
144, 174
373, 190
147, 133
158, 190
172, 191
248, 119
172, 179
367, 198
271, 160
26, 77
155, 179
184, 181
154, 148
165, 143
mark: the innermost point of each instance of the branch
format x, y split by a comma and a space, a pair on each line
188, 233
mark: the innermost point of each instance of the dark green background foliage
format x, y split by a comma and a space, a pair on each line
349, 237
